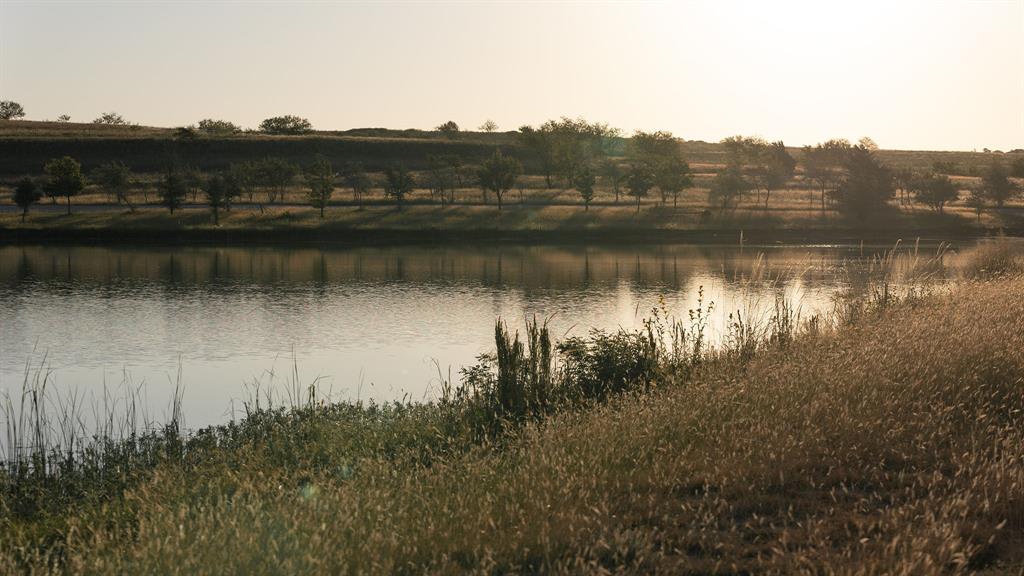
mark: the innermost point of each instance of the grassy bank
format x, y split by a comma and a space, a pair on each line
885, 439
526, 222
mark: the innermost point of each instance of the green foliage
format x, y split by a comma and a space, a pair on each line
639, 181
398, 183
868, 185
172, 189
218, 127
448, 128
934, 191
613, 175
246, 176
111, 119
26, 193
221, 190
498, 174
996, 184
728, 187
275, 174
671, 176
115, 178
584, 184
320, 179
286, 125
824, 163
355, 177
65, 178
10, 110
1017, 167
564, 146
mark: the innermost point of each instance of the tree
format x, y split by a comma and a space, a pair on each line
287, 125
671, 176
246, 176
498, 173
64, 118
11, 110
996, 184
1017, 167
448, 128
934, 191
194, 181
867, 143
356, 178
903, 179
442, 177
728, 186
172, 189
584, 184
613, 175
115, 178
824, 164
488, 126
565, 145
639, 181
540, 142
65, 178
276, 174
977, 200
218, 127
868, 185
320, 179
220, 191
398, 182
26, 193
111, 119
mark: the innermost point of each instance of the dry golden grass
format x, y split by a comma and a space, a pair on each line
893, 445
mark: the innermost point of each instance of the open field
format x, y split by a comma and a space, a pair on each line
884, 439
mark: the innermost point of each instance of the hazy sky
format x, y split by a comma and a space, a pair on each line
922, 75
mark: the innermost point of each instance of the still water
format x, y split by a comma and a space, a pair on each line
370, 323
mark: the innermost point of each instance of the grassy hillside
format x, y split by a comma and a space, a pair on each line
890, 442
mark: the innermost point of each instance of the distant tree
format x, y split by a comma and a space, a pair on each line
194, 182
11, 110
779, 167
220, 191
320, 179
115, 178
218, 127
727, 187
1017, 167
824, 164
246, 176
934, 191
868, 144
653, 147
449, 128
355, 177
996, 184
172, 189
584, 184
442, 177
398, 183
498, 174
276, 174
902, 179
541, 143
565, 145
489, 126
977, 200
64, 118
868, 185
613, 175
287, 125
110, 118
26, 193
455, 163
639, 181
65, 178
671, 176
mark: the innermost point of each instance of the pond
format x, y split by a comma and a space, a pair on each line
379, 323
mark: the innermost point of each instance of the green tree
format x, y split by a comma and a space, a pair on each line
996, 184
868, 185
541, 143
194, 182
639, 181
903, 180
1017, 167
977, 200
276, 174
584, 184
320, 179
727, 187
220, 191
671, 176
218, 127
246, 175
111, 119
65, 178
11, 110
286, 125
115, 178
356, 178
777, 168
26, 193
824, 164
448, 128
442, 177
613, 175
172, 189
934, 191
398, 183
489, 126
498, 174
